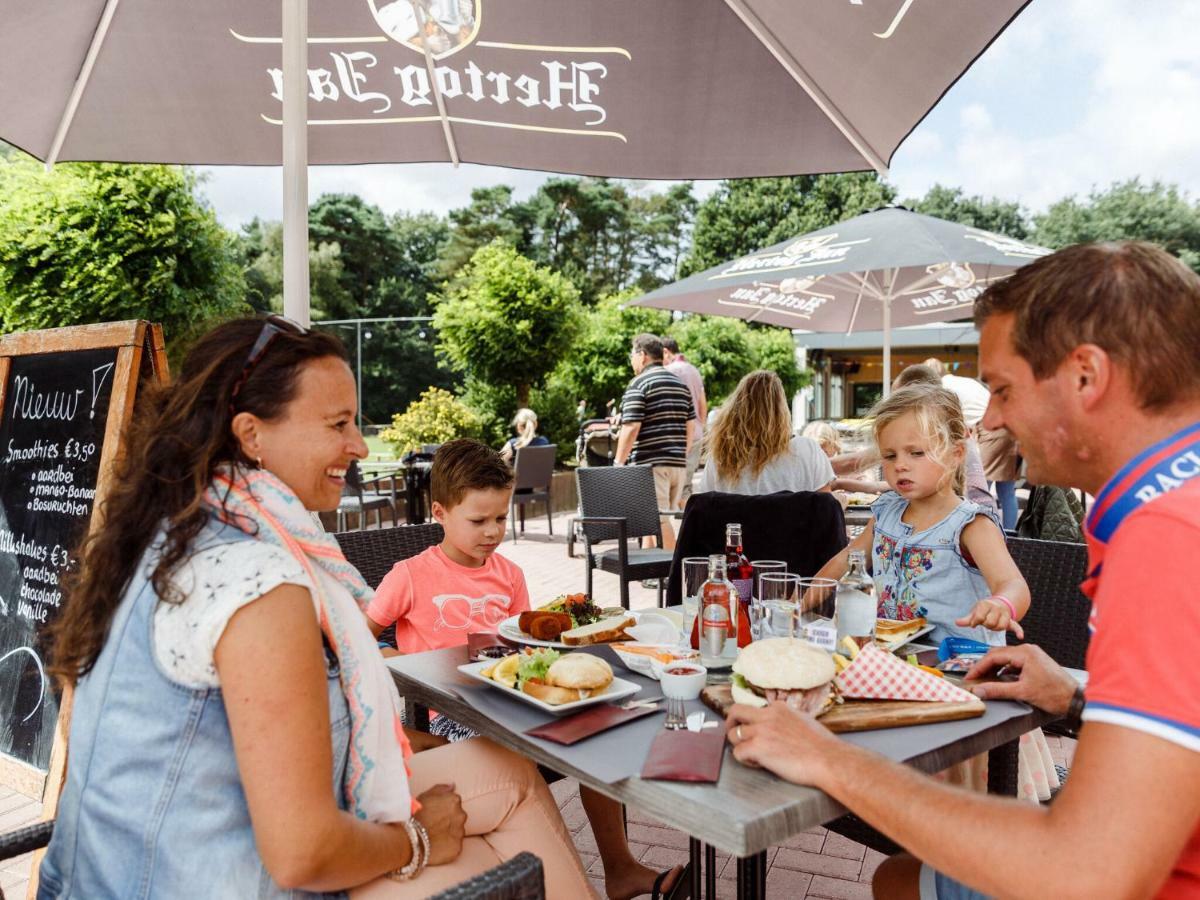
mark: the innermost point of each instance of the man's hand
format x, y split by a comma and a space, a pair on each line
1042, 681
992, 615
776, 737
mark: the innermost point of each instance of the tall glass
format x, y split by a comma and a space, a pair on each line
757, 570
695, 573
779, 604
818, 609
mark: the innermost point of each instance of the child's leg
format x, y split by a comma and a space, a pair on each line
624, 876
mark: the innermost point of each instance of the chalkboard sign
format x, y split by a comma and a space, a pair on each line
65, 396
51, 433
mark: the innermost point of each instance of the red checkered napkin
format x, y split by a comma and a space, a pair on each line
878, 675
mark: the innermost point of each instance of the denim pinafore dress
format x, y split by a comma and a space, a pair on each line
925, 572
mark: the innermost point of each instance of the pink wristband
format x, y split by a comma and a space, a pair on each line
1012, 610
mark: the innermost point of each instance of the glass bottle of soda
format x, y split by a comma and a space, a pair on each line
718, 609
737, 566
856, 602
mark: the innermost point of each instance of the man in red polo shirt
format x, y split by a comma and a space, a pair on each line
1092, 357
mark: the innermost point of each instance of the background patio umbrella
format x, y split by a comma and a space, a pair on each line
669, 89
880, 270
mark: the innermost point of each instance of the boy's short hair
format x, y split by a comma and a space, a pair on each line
466, 465
918, 374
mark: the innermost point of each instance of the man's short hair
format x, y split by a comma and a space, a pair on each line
917, 374
650, 344
1130, 298
669, 343
466, 465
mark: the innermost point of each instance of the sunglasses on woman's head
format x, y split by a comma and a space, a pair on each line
273, 325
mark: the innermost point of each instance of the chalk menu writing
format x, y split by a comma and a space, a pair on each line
51, 435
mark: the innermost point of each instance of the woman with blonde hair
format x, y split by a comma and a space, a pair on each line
751, 448
525, 424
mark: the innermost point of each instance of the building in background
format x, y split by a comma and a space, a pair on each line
849, 368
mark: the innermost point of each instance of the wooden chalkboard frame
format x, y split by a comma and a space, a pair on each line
135, 341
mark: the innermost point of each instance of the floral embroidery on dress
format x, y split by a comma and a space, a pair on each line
898, 599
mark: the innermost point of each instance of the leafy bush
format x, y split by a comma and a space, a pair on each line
94, 242
438, 416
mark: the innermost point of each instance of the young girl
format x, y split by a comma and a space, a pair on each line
933, 553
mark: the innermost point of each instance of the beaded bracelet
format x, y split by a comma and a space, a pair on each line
418, 838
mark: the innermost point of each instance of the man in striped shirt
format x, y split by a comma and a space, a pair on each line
655, 413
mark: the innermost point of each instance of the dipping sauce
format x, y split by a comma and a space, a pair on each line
492, 652
682, 670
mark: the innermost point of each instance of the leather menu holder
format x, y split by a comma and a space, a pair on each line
575, 728
686, 756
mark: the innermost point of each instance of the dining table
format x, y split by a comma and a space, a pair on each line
747, 811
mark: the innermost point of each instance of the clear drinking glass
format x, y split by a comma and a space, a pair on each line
778, 604
818, 607
757, 570
695, 573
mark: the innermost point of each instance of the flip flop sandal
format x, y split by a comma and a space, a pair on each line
680, 890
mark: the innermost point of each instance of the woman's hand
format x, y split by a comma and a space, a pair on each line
443, 817
776, 737
992, 615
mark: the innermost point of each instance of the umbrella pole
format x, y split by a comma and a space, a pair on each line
887, 345
295, 160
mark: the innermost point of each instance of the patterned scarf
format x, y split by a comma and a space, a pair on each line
375, 785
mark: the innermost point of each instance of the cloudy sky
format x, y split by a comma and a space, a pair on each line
1075, 94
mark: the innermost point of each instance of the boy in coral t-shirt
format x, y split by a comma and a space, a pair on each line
462, 587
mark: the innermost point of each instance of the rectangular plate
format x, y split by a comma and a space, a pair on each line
618, 690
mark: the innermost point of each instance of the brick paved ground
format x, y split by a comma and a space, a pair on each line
814, 863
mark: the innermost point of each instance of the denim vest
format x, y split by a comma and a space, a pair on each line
153, 803
925, 573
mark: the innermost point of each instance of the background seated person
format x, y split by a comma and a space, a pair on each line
525, 424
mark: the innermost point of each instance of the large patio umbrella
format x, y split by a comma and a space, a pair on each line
884, 269
662, 89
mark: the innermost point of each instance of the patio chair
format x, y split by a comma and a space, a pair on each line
804, 529
535, 470
374, 553
361, 497
520, 878
1056, 622
619, 503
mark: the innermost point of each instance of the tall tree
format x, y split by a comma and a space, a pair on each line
747, 214
94, 242
1155, 212
491, 215
597, 368
369, 250
259, 251
953, 205
506, 320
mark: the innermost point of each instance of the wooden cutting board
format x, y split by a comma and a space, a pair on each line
867, 715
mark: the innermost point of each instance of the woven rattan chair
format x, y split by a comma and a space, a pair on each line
535, 470
519, 878
374, 553
619, 503
1056, 622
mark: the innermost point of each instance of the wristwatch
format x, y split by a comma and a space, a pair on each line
1073, 720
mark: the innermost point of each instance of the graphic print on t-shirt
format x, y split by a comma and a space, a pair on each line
458, 611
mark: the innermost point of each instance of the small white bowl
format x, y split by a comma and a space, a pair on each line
682, 687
